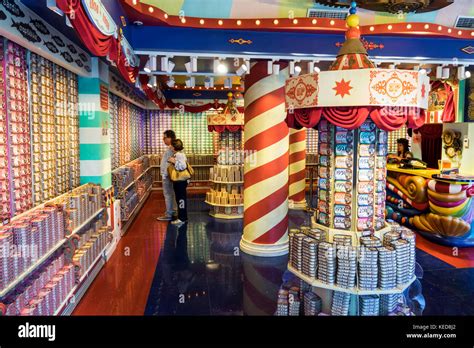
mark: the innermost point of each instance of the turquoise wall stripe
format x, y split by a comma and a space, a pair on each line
89, 85
104, 180
95, 151
93, 119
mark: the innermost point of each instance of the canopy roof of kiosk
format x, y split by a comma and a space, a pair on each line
354, 89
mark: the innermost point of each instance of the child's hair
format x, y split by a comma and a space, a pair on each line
177, 144
169, 134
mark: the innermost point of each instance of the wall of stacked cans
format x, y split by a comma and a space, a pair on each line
127, 124
39, 130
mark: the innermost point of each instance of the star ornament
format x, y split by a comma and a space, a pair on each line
342, 88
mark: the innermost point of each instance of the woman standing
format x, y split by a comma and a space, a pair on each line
180, 163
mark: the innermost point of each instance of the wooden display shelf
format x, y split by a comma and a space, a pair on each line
354, 291
227, 182
224, 205
40, 261
135, 212
225, 216
68, 306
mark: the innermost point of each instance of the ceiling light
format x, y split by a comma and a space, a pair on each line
467, 74
446, 73
317, 70
190, 82
247, 64
292, 68
242, 70
462, 73
439, 71
228, 83
201, 21
275, 21
276, 69
257, 22
164, 63
151, 81
191, 66
209, 82
270, 67
147, 67
422, 71
239, 22
171, 66
297, 70
220, 67
310, 67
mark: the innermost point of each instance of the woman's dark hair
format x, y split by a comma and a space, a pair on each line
406, 145
177, 144
170, 134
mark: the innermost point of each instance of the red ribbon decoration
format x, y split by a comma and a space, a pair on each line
97, 43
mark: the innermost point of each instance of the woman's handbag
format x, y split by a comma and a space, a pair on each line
180, 175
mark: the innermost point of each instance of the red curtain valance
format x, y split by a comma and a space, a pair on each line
97, 43
222, 128
449, 114
386, 118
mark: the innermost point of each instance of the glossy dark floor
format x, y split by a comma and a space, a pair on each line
198, 269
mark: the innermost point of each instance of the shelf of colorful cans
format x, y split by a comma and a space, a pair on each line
224, 205
135, 181
356, 291
45, 257
225, 216
79, 288
193, 165
227, 182
135, 212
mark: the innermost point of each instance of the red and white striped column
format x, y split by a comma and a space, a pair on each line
266, 163
297, 170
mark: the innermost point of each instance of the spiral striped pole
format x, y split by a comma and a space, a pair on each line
266, 163
297, 180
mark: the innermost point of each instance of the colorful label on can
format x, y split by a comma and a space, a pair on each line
365, 199
343, 186
323, 137
323, 195
343, 174
365, 187
342, 222
366, 175
383, 137
343, 162
364, 224
323, 172
380, 198
342, 198
380, 210
323, 125
344, 137
366, 163
382, 150
380, 186
323, 183
324, 149
344, 149
381, 174
323, 161
366, 149
365, 211
342, 210
323, 219
367, 126
323, 206
367, 137
379, 223
381, 162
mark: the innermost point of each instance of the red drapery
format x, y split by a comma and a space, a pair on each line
97, 43
431, 143
449, 114
386, 118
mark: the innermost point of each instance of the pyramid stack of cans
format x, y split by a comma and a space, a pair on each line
297, 251
312, 304
410, 237
387, 267
340, 303
368, 268
389, 303
294, 302
310, 254
346, 266
282, 303
402, 248
327, 262
369, 305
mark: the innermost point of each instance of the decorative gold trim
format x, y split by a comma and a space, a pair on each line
240, 41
